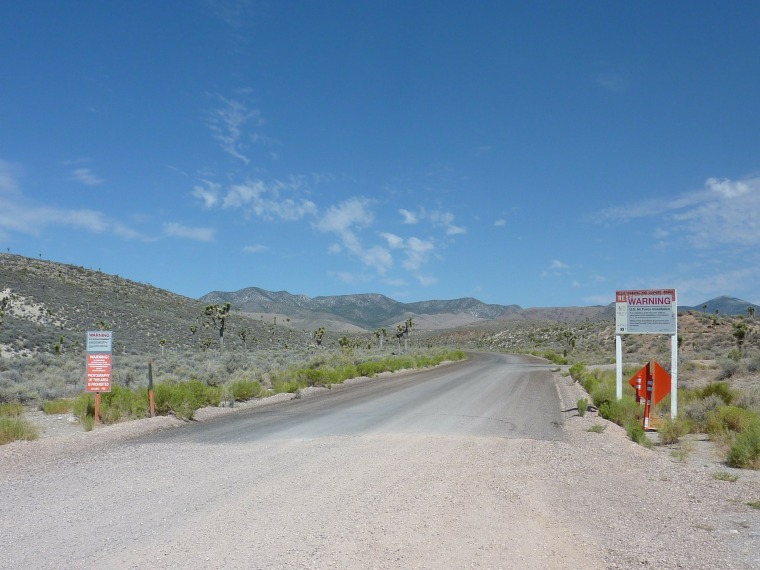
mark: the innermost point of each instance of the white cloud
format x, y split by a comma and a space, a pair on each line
19, 214
86, 176
209, 193
500, 223
255, 248
427, 280
445, 220
198, 234
726, 212
612, 81
266, 202
417, 252
228, 124
557, 264
394, 241
345, 220
409, 217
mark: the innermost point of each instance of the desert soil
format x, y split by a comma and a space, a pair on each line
589, 500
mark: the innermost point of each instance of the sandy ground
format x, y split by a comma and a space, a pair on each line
590, 500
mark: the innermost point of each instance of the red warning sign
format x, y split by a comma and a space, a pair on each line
98, 372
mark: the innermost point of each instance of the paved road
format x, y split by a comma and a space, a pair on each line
410, 471
489, 395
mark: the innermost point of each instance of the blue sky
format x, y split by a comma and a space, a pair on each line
536, 153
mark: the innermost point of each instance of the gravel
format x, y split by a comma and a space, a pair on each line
587, 500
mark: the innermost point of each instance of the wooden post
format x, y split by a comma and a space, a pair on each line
97, 407
151, 397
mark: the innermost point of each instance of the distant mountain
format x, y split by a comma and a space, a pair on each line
372, 311
724, 305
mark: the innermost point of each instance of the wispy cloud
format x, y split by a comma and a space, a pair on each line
556, 268
346, 220
726, 212
86, 176
208, 193
234, 13
19, 214
417, 251
612, 81
255, 248
174, 229
409, 217
228, 124
500, 223
266, 200
437, 218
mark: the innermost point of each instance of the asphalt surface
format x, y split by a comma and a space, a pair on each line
489, 395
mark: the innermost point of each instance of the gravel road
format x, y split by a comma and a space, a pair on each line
483, 464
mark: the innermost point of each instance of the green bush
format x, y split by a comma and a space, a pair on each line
16, 428
84, 406
11, 410
582, 405
577, 371
745, 451
729, 419
720, 389
287, 386
242, 390
673, 430
183, 398
59, 406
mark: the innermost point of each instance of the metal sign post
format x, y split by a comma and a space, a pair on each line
98, 377
650, 311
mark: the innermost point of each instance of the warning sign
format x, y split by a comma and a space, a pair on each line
652, 311
98, 373
98, 376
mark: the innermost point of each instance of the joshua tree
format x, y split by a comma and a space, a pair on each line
751, 311
318, 334
380, 334
740, 331
217, 318
162, 343
399, 334
243, 334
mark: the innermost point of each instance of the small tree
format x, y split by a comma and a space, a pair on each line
318, 334
751, 311
217, 318
243, 334
381, 334
162, 344
739, 332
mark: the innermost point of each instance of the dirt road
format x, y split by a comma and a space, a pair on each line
471, 465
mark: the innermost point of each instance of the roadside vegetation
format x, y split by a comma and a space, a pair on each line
185, 384
13, 426
729, 416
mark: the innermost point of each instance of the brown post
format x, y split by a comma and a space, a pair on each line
151, 396
97, 407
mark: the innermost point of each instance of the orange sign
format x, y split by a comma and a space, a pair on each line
98, 372
660, 383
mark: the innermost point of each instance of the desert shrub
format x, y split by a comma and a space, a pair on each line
183, 398
753, 363
289, 386
672, 430
698, 410
729, 418
16, 428
577, 371
636, 432
582, 405
750, 399
11, 410
59, 406
745, 450
369, 368
720, 389
728, 367
242, 390
84, 406
123, 403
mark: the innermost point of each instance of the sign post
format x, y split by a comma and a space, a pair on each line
650, 311
98, 378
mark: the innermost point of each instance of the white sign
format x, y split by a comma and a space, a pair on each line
652, 311
99, 341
